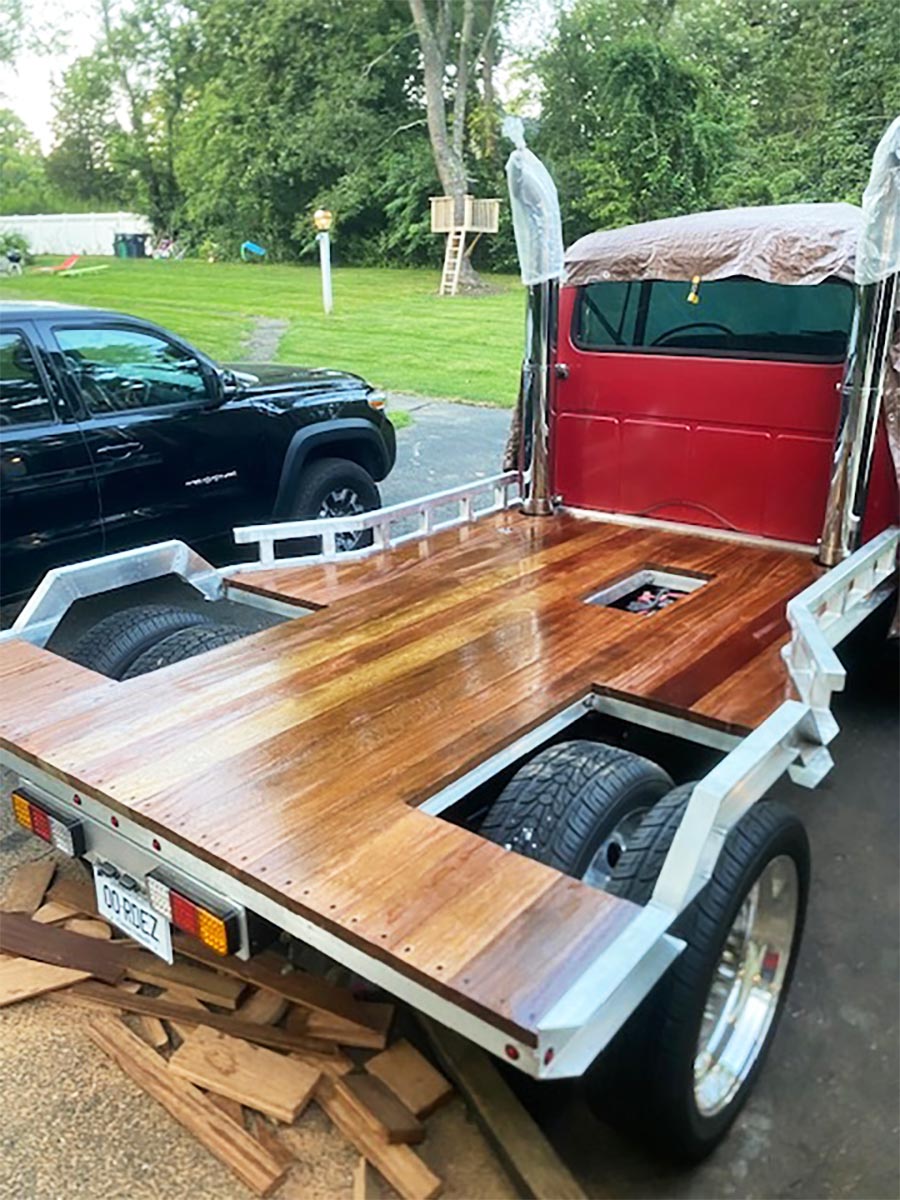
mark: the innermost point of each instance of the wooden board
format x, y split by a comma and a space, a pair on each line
263, 1007
376, 1105
152, 1030
22, 978
401, 1166
419, 664
224, 1138
154, 1006
89, 928
532, 1162
411, 1078
272, 971
51, 913
27, 886
49, 944
333, 1028
207, 986
269, 1082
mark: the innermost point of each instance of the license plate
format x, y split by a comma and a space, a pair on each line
130, 912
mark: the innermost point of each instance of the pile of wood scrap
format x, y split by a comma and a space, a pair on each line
233, 1050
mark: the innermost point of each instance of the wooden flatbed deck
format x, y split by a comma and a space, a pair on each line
294, 759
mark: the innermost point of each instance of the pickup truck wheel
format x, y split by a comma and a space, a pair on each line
336, 487
683, 1066
184, 643
114, 643
575, 806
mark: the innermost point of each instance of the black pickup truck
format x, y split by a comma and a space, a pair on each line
115, 433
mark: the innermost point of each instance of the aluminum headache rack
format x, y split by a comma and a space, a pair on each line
794, 738
423, 513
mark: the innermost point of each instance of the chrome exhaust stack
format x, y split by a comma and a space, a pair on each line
876, 328
538, 229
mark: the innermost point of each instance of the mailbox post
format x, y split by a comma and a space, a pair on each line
322, 219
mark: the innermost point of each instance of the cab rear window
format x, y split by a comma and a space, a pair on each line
742, 318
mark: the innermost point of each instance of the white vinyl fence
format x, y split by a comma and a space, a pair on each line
74, 233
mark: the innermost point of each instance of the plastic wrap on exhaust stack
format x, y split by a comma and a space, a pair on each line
873, 359
538, 231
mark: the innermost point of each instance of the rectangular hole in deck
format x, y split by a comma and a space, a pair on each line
647, 590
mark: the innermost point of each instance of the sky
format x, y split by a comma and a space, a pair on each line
71, 26
26, 86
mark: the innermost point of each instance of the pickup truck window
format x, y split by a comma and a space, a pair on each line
730, 318
119, 370
23, 397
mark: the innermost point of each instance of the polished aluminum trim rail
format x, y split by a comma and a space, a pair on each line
61, 587
381, 522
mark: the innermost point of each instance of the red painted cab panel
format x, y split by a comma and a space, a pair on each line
658, 417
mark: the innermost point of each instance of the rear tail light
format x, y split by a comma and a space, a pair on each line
63, 832
218, 929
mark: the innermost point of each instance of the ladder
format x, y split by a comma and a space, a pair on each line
453, 256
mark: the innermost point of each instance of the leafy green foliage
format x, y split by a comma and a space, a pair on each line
654, 108
21, 167
10, 240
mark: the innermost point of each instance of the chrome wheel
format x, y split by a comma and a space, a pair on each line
606, 856
747, 983
343, 502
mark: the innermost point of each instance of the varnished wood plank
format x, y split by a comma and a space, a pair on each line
423, 662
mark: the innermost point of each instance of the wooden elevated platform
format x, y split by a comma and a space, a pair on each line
295, 759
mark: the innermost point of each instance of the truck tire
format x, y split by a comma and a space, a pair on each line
336, 487
681, 1069
574, 807
114, 643
184, 643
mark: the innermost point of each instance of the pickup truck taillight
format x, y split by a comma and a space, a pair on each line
65, 833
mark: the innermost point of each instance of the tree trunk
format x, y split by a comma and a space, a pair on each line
448, 150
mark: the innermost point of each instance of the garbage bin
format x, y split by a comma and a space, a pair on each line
137, 245
120, 245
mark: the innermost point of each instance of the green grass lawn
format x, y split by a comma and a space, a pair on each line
388, 325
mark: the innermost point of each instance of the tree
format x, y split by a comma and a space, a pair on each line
21, 167
453, 38
87, 135
150, 48
631, 130
302, 105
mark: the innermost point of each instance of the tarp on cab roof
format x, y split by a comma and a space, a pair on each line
778, 243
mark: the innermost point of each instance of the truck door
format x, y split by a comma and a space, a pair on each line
718, 410
49, 501
167, 463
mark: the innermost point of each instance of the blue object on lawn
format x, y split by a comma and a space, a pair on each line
251, 250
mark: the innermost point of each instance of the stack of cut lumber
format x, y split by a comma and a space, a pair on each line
235, 1051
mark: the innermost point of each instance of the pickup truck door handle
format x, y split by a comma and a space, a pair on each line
561, 370
120, 449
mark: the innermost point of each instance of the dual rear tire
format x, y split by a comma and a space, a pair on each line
143, 638
681, 1069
